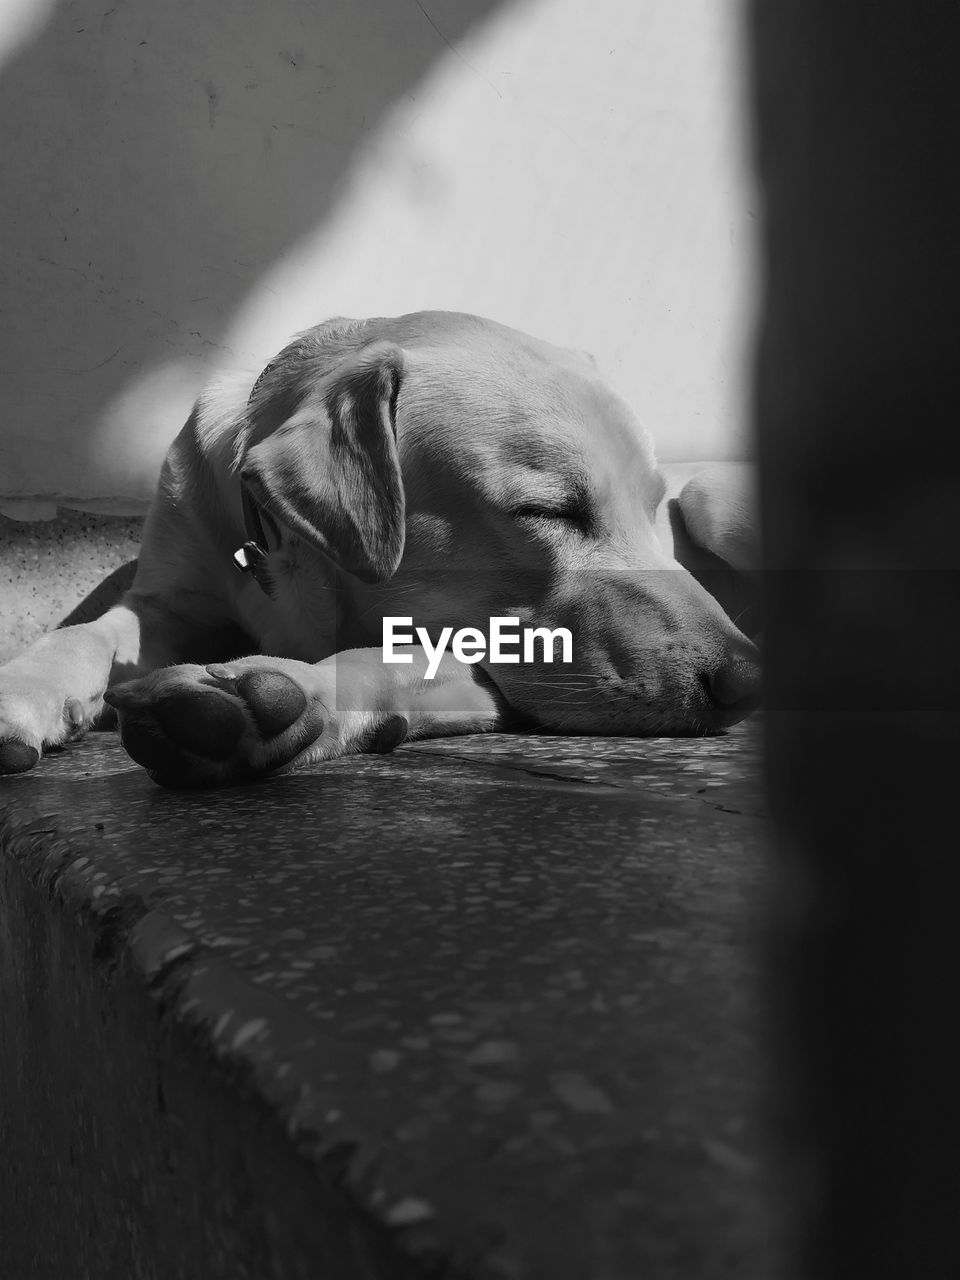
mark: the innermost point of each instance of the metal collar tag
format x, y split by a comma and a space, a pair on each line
252, 556
248, 557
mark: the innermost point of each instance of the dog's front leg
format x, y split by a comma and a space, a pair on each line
719, 509
709, 521
209, 725
53, 691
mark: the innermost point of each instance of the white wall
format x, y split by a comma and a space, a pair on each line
185, 185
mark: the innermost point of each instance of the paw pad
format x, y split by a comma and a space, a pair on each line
275, 702
206, 723
143, 743
389, 734
17, 757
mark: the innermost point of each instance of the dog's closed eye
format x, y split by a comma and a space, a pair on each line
576, 515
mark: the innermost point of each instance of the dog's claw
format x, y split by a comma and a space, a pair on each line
220, 672
73, 712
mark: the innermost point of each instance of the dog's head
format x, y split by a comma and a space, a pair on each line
457, 471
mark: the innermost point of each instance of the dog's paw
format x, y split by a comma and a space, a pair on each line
193, 726
36, 715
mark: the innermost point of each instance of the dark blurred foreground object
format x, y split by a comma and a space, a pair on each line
858, 406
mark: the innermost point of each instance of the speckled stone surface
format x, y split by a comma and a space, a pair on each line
492, 997
48, 567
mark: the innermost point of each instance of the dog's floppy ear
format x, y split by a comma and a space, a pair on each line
330, 472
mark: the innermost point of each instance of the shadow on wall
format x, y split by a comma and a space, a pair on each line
156, 159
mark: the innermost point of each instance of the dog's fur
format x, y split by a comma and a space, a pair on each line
437, 466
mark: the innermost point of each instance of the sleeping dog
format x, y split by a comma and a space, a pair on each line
435, 467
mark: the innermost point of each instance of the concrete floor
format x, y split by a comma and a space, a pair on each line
49, 567
483, 1008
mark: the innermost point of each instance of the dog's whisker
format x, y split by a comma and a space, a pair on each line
389, 595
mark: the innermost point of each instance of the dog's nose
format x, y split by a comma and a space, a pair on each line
734, 685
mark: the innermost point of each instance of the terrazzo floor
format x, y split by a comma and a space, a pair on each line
507, 982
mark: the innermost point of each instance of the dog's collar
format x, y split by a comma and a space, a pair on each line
251, 557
